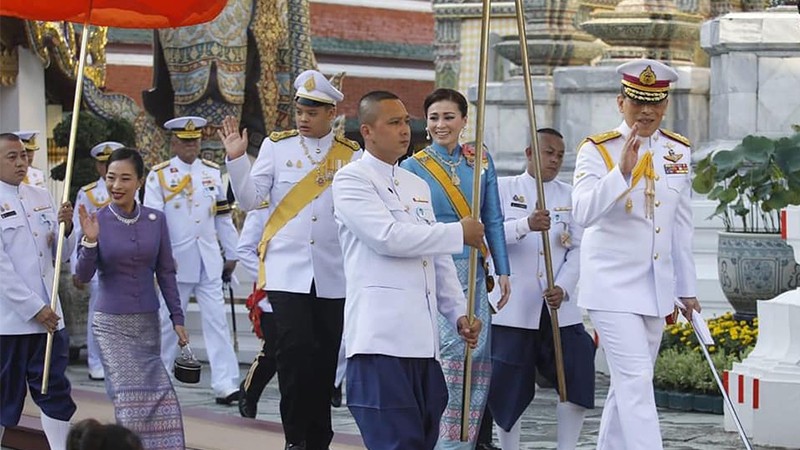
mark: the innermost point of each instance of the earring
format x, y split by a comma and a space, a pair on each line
427, 134
461, 134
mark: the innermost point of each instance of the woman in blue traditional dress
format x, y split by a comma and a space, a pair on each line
128, 244
448, 168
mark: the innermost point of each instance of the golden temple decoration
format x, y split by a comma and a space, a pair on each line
9, 65
58, 42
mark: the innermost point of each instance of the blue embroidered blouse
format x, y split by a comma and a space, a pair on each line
491, 211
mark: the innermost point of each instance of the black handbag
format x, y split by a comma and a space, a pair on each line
187, 368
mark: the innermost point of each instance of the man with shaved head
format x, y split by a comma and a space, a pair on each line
399, 272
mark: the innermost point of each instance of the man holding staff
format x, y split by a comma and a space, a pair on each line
522, 336
400, 278
28, 224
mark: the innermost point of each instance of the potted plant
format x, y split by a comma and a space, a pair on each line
752, 183
682, 378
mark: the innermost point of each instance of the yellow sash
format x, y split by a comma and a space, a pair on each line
298, 197
453, 193
93, 199
173, 191
643, 168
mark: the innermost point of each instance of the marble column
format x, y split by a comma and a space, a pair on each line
22, 103
755, 69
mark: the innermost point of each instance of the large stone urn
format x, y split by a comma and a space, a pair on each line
753, 267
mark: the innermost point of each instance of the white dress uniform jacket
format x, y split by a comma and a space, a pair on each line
28, 230
194, 225
633, 263
35, 177
306, 249
93, 196
526, 255
248, 245
397, 261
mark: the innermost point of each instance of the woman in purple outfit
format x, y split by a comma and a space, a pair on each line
127, 244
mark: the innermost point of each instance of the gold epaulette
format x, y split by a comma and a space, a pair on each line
604, 137
160, 166
676, 137
348, 142
89, 186
210, 163
276, 136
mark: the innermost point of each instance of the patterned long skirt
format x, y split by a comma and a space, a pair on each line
453, 351
136, 380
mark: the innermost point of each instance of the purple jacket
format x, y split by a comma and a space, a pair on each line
126, 258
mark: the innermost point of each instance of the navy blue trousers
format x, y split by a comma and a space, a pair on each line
22, 367
517, 353
397, 402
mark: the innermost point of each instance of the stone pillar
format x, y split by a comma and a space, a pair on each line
755, 69
22, 104
765, 387
506, 119
447, 51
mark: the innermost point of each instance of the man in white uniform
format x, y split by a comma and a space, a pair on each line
93, 196
301, 261
264, 365
522, 339
632, 193
399, 273
189, 191
35, 176
28, 231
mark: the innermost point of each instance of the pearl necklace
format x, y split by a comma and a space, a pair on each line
126, 220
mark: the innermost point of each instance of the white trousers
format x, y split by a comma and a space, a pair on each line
630, 343
341, 365
92, 349
216, 333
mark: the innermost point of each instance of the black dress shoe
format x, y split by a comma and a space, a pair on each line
485, 446
245, 408
300, 446
336, 397
232, 397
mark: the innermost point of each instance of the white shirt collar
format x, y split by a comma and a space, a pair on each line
182, 165
322, 143
646, 142
8, 188
384, 168
531, 181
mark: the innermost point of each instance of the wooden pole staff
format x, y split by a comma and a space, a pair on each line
548, 261
476, 210
73, 132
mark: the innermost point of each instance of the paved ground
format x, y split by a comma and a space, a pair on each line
681, 431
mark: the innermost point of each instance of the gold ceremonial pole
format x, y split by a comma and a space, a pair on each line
73, 131
548, 261
476, 210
